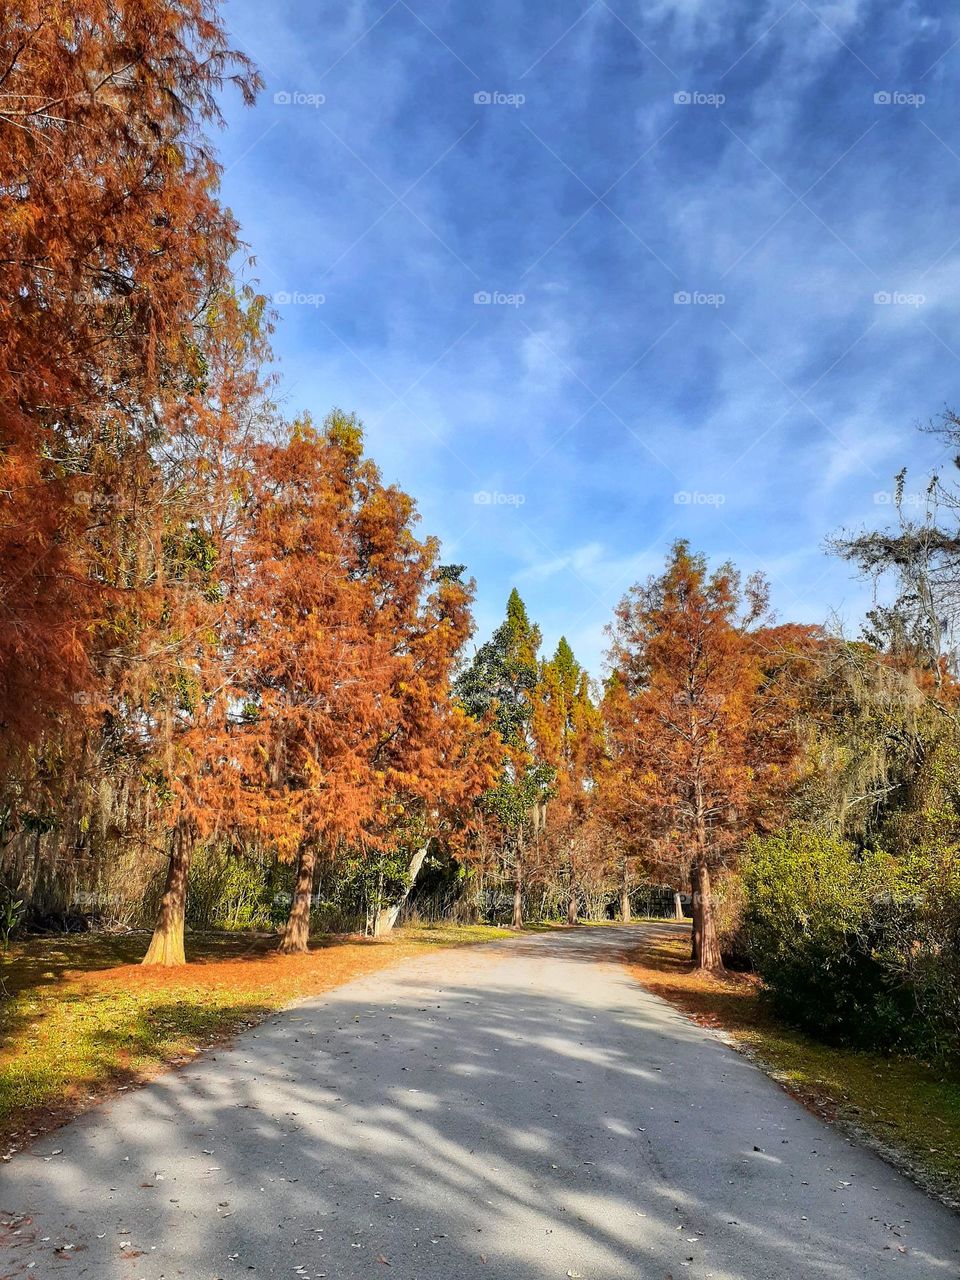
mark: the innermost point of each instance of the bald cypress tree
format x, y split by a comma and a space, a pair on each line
567, 732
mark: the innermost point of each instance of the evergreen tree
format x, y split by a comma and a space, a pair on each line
499, 685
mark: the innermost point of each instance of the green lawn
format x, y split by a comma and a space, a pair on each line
80, 1018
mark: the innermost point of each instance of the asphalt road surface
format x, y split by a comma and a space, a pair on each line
520, 1111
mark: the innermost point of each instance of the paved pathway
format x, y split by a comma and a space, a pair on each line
519, 1111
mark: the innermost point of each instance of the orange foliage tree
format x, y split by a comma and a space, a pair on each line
629, 822
567, 731
707, 736
434, 758
169, 642
113, 245
332, 725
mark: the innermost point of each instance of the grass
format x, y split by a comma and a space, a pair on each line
81, 1019
906, 1109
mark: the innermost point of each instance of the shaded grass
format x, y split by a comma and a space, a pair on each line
81, 1019
907, 1109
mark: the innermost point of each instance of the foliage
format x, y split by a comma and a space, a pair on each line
232, 669
921, 553
503, 674
814, 910
228, 891
116, 257
698, 718
497, 687
843, 941
11, 914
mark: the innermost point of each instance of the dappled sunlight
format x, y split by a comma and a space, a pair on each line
77, 1026
454, 1112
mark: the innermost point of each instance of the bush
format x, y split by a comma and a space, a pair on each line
925, 836
825, 924
926, 955
729, 908
229, 892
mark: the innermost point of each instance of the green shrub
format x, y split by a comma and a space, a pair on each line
229, 892
729, 909
824, 924
925, 952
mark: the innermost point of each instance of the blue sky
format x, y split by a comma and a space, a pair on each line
784, 166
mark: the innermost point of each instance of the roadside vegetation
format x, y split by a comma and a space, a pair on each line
241, 690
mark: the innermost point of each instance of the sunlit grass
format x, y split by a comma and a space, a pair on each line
80, 1018
911, 1108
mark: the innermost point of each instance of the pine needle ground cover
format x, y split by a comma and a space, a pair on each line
906, 1109
81, 1019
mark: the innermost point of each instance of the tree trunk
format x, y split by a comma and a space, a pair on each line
625, 914
517, 921
166, 945
374, 908
677, 906
706, 944
295, 938
573, 909
387, 916
696, 931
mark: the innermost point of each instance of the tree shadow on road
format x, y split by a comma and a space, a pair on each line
478, 1128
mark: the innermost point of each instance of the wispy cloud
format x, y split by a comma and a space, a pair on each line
783, 165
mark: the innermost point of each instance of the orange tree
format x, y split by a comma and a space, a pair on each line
167, 650
708, 736
327, 553
630, 823
434, 758
331, 726
567, 732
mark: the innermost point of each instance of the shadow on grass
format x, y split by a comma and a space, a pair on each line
41, 960
106, 1047
662, 964
86, 1019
